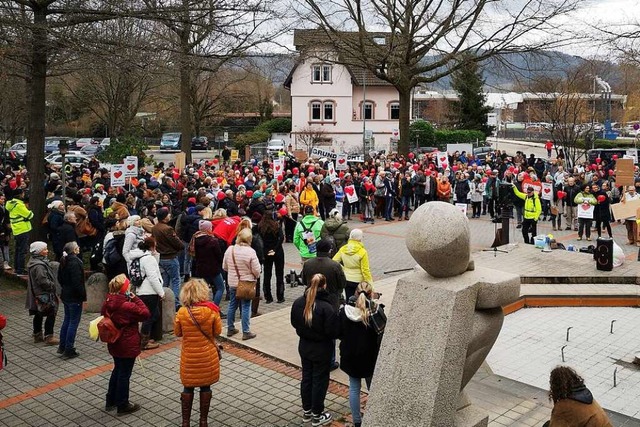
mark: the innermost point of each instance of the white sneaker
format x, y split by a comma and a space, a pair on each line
322, 419
6, 266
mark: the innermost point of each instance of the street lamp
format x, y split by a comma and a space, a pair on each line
63, 147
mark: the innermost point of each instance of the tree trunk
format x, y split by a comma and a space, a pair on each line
37, 110
405, 110
185, 97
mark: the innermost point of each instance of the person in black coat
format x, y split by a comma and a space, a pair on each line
316, 323
272, 237
330, 269
64, 234
359, 345
71, 279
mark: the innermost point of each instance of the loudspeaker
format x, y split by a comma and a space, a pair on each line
604, 254
505, 193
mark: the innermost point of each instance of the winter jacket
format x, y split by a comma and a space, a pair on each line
168, 244
332, 271
152, 283
19, 216
572, 191
55, 219
462, 191
3, 322
338, 229
328, 196
316, 341
246, 261
65, 234
199, 362
291, 203
96, 218
226, 229
579, 410
312, 223
355, 261
585, 198
132, 236
532, 205
359, 343
444, 191
190, 224
71, 279
477, 191
125, 313
270, 241
208, 259
120, 267
41, 280
406, 187
308, 197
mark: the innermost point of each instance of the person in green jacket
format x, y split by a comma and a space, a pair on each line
532, 211
336, 230
20, 217
307, 234
585, 200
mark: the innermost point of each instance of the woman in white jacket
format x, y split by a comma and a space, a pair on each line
150, 291
132, 237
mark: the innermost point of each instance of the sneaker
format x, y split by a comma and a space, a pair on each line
232, 332
579, 238
71, 354
322, 419
60, 350
307, 416
588, 239
130, 408
568, 228
248, 336
6, 266
109, 407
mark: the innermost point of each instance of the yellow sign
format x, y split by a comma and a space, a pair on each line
180, 161
235, 155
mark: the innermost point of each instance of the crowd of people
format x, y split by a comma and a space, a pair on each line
216, 226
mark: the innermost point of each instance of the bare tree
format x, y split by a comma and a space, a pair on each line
310, 136
424, 40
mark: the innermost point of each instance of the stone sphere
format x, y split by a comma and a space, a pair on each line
438, 239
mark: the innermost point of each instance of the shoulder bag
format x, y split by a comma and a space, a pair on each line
246, 289
378, 319
46, 303
213, 341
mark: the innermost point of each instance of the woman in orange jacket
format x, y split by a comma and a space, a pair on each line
444, 190
198, 323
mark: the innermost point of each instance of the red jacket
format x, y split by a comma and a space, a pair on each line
226, 228
125, 313
3, 321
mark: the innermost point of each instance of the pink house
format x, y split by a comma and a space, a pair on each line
332, 104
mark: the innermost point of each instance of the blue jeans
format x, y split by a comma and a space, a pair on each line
188, 260
406, 201
245, 311
217, 287
170, 269
388, 207
72, 313
21, 249
355, 385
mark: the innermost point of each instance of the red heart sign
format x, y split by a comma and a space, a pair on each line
547, 190
130, 166
586, 206
117, 174
349, 190
442, 159
331, 172
277, 168
341, 161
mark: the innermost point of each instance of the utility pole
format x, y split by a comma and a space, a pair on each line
362, 112
593, 115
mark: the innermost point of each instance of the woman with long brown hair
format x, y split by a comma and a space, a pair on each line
272, 237
573, 403
316, 323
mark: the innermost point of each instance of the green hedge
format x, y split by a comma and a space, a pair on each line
605, 144
281, 125
250, 138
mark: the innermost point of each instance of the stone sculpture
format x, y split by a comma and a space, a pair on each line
97, 288
444, 319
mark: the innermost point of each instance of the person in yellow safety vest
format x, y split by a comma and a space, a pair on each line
20, 218
532, 211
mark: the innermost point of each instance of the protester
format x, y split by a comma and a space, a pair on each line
585, 198
355, 261
207, 261
20, 218
532, 208
272, 237
125, 310
198, 323
307, 234
169, 246
71, 279
336, 230
5, 234
42, 298
316, 323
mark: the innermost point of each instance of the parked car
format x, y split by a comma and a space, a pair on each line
51, 143
13, 159
92, 150
73, 159
81, 142
170, 141
105, 142
20, 148
275, 145
481, 153
199, 143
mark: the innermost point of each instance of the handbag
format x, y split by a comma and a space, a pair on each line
217, 346
378, 319
246, 289
47, 303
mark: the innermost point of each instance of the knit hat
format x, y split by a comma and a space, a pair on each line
257, 195
37, 247
324, 246
221, 195
356, 234
162, 213
132, 219
55, 204
205, 226
54, 176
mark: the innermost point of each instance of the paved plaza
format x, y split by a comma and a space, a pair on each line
259, 383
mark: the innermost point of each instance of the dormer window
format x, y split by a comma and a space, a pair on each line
379, 40
321, 73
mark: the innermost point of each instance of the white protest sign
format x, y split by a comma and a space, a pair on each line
547, 191
585, 210
350, 191
341, 162
332, 171
117, 175
131, 166
443, 159
462, 207
278, 166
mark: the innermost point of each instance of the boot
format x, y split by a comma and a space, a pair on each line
205, 402
146, 344
38, 337
187, 403
51, 340
254, 307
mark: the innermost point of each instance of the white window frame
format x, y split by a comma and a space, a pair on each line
322, 73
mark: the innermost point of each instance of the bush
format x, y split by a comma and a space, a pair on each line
123, 147
254, 137
280, 125
423, 132
444, 137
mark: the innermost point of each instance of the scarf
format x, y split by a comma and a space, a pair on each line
208, 304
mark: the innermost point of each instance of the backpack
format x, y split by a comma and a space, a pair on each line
135, 273
112, 255
334, 247
107, 330
85, 228
309, 237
